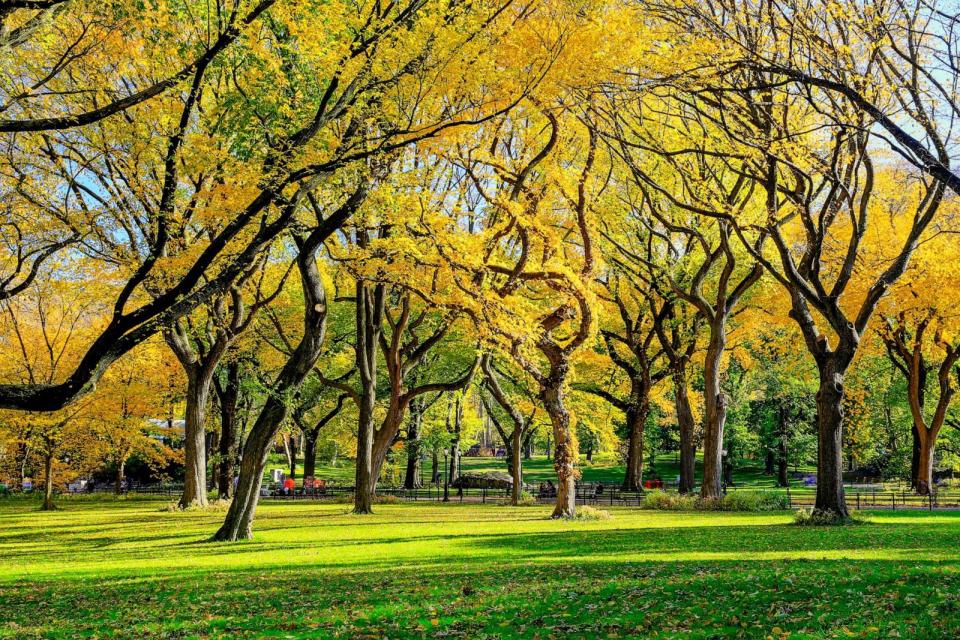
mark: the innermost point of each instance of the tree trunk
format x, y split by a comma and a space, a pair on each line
118, 478
688, 448
194, 446
516, 465
768, 463
925, 465
48, 483
915, 458
782, 479
238, 523
365, 480
369, 315
411, 478
565, 448
715, 404
636, 416
434, 468
309, 454
830, 411
291, 448
228, 431
528, 445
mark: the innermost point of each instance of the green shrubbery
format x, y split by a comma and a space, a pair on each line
733, 501
587, 512
663, 501
818, 518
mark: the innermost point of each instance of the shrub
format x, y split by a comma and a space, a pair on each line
663, 501
587, 512
753, 501
818, 518
214, 506
733, 501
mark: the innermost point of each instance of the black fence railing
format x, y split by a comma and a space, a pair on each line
589, 493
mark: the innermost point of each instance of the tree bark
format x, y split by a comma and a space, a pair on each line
688, 448
516, 466
636, 416
195, 445
915, 457
228, 396
925, 466
565, 444
48, 504
309, 455
291, 448
118, 478
369, 314
715, 417
830, 413
411, 478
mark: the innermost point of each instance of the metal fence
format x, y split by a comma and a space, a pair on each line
590, 493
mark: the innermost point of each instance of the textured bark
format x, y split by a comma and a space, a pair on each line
291, 449
688, 447
48, 483
118, 477
369, 315
516, 467
636, 416
434, 467
228, 395
830, 413
565, 444
194, 444
925, 467
715, 413
309, 455
914, 456
411, 478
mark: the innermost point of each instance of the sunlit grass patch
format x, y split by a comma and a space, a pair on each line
126, 569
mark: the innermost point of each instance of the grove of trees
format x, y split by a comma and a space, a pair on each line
368, 230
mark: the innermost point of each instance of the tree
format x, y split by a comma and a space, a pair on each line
811, 147
638, 314
200, 349
250, 137
906, 341
521, 426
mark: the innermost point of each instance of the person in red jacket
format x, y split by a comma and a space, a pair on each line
288, 486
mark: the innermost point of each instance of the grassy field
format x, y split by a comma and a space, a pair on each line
126, 569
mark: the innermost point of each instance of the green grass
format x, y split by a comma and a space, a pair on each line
125, 569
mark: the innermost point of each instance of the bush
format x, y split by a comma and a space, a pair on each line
733, 501
753, 501
587, 512
818, 518
213, 506
663, 501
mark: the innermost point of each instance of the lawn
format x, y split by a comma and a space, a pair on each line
126, 569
